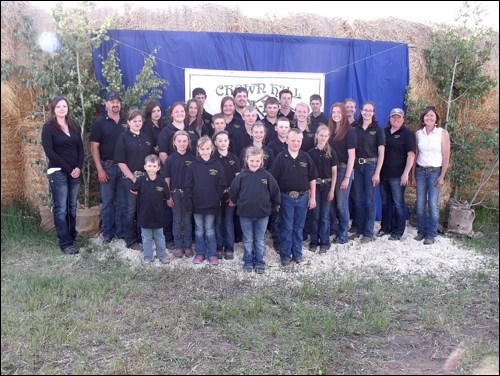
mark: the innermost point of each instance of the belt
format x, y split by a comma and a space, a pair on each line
108, 161
428, 168
177, 190
294, 194
367, 160
342, 164
138, 173
323, 181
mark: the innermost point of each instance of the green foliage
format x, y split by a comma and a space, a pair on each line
148, 84
414, 108
455, 61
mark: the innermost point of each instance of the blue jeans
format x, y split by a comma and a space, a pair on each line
364, 199
148, 235
320, 224
132, 233
254, 248
64, 190
224, 228
393, 206
342, 200
427, 197
113, 203
206, 244
168, 223
182, 226
293, 213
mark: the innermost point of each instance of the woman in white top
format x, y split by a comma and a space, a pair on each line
432, 161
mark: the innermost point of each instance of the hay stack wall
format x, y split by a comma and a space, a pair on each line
216, 18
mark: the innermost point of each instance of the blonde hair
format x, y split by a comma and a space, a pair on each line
254, 150
327, 148
181, 133
202, 141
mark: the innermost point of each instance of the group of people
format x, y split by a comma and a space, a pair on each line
234, 175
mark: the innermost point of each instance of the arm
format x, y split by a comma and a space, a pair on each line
414, 169
312, 194
410, 159
170, 200
102, 176
445, 149
380, 161
331, 193
126, 171
350, 167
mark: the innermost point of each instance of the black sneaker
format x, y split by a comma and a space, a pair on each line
71, 250
394, 237
381, 233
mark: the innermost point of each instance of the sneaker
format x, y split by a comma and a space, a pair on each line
164, 260
419, 237
229, 256
381, 233
354, 236
71, 250
247, 269
313, 247
323, 248
285, 262
198, 260
213, 261
260, 270
179, 253
170, 245
353, 229
135, 247
147, 261
429, 241
188, 252
366, 239
394, 237
220, 254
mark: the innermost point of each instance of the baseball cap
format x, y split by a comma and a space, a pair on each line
112, 95
397, 111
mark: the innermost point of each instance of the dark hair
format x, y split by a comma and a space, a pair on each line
240, 89
284, 91
360, 119
53, 118
315, 97
149, 110
198, 90
174, 105
214, 137
343, 127
198, 121
425, 112
218, 116
224, 100
133, 113
271, 100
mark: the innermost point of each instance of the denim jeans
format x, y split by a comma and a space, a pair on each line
64, 190
254, 238
132, 232
364, 199
342, 200
224, 228
182, 226
113, 203
292, 218
148, 235
206, 244
393, 206
427, 198
274, 227
168, 223
320, 224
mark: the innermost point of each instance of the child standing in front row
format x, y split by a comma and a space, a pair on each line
153, 192
255, 193
203, 196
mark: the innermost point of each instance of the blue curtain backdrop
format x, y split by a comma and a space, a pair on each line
360, 69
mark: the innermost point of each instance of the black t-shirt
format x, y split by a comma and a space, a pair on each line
152, 197
342, 146
323, 162
397, 146
132, 149
105, 131
294, 174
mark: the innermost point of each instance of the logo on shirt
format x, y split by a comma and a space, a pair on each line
397, 136
148, 143
188, 163
213, 171
232, 162
303, 164
263, 181
372, 133
159, 189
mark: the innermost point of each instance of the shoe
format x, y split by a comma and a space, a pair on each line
323, 248
229, 256
366, 239
220, 255
213, 261
334, 239
313, 247
71, 250
381, 233
147, 262
354, 236
394, 237
170, 245
188, 252
285, 262
298, 260
353, 229
419, 237
135, 247
247, 269
276, 247
108, 239
198, 260
164, 260
260, 270
429, 241
179, 253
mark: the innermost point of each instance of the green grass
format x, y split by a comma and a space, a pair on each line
93, 314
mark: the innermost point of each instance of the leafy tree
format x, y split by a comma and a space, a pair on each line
455, 62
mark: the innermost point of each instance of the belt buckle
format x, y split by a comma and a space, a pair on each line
138, 173
361, 160
319, 181
293, 194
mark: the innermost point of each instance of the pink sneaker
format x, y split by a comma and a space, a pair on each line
198, 260
213, 260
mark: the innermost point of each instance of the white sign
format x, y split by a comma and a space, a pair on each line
260, 85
